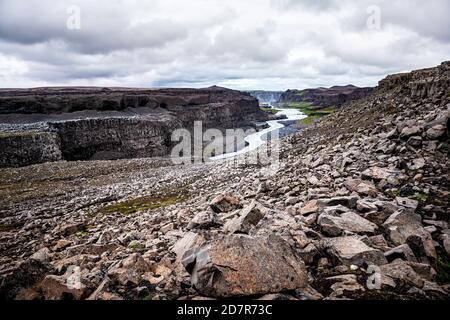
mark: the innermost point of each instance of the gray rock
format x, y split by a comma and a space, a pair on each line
42, 255
225, 203
403, 252
400, 225
421, 244
348, 221
204, 220
410, 131
436, 132
407, 203
188, 242
352, 251
349, 202
401, 272
249, 218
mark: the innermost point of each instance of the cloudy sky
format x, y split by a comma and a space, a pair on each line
241, 44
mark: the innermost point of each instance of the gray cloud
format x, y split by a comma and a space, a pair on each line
270, 44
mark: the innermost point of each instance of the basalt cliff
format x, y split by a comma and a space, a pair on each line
82, 123
335, 96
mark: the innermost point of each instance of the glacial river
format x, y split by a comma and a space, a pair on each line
255, 140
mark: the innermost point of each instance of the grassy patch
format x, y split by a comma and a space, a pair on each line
421, 197
307, 109
271, 110
140, 204
137, 247
308, 121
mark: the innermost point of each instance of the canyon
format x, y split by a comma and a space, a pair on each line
359, 207
318, 98
83, 123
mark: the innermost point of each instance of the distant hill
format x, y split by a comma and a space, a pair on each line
335, 96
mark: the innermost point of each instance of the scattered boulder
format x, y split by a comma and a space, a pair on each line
348, 221
361, 187
249, 218
400, 225
352, 251
401, 272
42, 255
310, 207
422, 245
436, 132
225, 203
204, 220
66, 287
239, 265
407, 203
403, 252
349, 202
189, 241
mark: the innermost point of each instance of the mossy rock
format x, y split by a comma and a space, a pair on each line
133, 206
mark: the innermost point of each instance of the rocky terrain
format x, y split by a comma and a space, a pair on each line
335, 96
83, 123
358, 210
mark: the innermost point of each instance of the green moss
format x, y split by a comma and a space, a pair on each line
308, 121
137, 247
140, 204
421, 197
271, 110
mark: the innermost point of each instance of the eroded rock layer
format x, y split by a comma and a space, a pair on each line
110, 123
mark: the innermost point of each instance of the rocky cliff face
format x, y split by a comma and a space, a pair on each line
112, 123
322, 97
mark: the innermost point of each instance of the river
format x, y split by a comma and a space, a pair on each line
255, 140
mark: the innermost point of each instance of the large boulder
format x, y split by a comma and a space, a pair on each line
240, 265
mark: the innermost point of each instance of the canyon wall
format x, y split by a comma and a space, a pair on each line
84, 123
326, 97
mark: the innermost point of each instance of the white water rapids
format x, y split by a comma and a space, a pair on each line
255, 140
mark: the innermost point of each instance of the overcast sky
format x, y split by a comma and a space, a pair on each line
241, 44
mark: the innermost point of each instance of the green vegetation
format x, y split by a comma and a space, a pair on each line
271, 110
308, 121
421, 197
140, 204
300, 93
136, 247
311, 111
